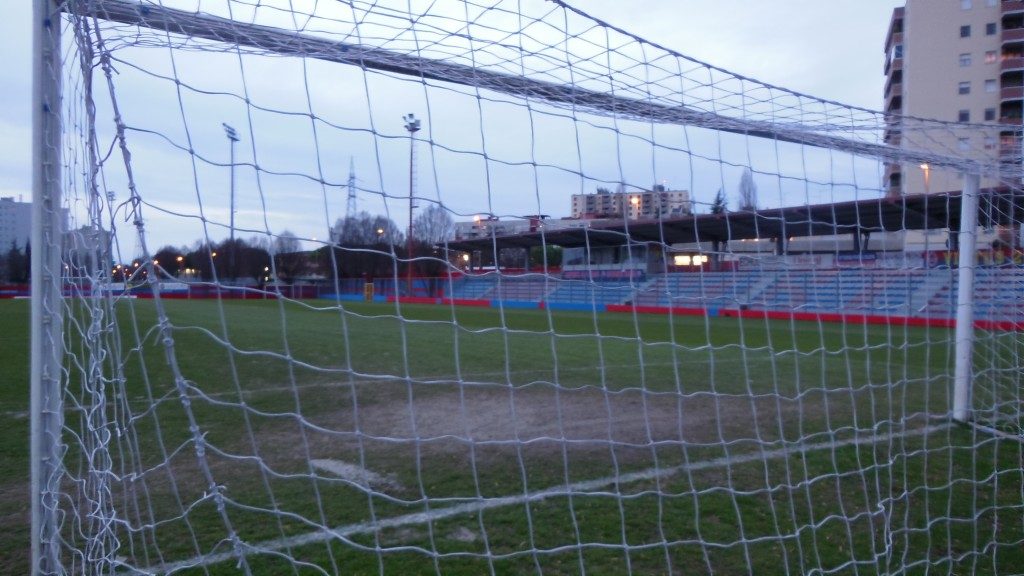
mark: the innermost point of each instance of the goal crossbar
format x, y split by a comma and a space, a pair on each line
281, 42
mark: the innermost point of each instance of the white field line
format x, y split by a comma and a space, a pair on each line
468, 378
345, 532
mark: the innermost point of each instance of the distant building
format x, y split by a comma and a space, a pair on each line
961, 62
484, 227
657, 203
87, 250
958, 61
15, 223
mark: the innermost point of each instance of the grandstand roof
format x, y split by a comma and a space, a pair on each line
931, 211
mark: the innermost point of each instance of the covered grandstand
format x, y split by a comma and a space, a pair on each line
858, 281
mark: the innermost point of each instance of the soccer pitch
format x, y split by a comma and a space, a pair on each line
422, 439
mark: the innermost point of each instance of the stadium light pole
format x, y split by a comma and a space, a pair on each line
412, 124
232, 140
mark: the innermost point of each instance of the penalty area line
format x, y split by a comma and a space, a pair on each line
347, 531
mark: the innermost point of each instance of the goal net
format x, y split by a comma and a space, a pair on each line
464, 287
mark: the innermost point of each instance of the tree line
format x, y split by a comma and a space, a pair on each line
16, 264
361, 246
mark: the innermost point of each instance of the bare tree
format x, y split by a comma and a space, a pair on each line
433, 225
288, 257
366, 230
748, 191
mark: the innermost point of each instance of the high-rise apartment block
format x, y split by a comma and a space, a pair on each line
956, 61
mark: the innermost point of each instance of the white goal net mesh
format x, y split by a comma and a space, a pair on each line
464, 287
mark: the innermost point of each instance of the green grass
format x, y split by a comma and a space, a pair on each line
14, 430
458, 406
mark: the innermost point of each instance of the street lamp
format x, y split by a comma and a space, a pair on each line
412, 124
232, 139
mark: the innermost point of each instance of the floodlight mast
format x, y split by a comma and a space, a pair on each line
412, 124
232, 135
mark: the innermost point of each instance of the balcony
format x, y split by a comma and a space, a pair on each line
895, 38
893, 131
1012, 63
1011, 93
1012, 6
893, 90
1010, 120
893, 64
1013, 35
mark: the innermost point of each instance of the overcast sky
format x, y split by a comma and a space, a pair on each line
830, 49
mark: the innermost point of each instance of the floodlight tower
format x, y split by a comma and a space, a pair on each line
412, 124
232, 140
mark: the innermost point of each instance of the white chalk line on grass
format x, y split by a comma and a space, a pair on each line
468, 378
346, 532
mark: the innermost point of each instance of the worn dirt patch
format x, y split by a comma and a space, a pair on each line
544, 413
392, 436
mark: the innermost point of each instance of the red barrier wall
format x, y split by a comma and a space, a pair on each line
657, 310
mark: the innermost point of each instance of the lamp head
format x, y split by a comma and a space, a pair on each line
230, 132
412, 123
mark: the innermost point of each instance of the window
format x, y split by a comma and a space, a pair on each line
990, 29
964, 88
964, 116
897, 51
965, 4
963, 143
990, 114
990, 86
965, 31
965, 60
990, 57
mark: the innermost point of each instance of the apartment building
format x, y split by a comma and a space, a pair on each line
15, 223
956, 61
657, 203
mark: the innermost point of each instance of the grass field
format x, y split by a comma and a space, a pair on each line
467, 441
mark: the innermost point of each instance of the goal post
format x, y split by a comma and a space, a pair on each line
966, 238
46, 405
241, 360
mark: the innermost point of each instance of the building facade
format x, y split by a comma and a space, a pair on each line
657, 203
15, 223
960, 62
483, 227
